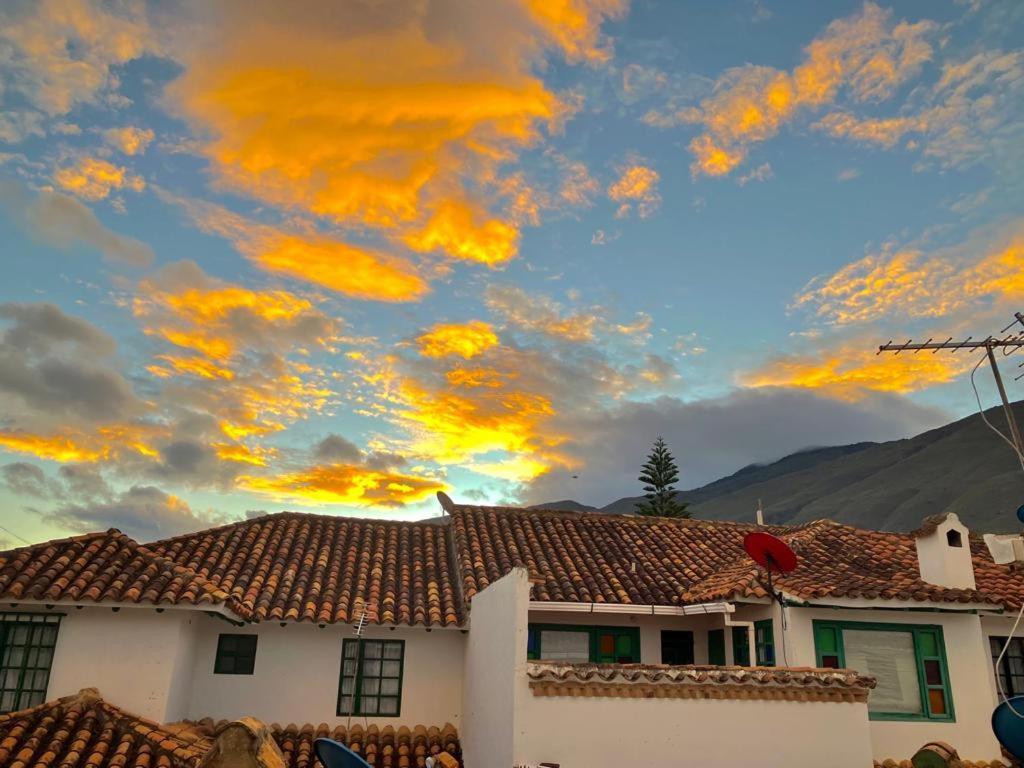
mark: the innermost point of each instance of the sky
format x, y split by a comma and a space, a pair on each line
338, 257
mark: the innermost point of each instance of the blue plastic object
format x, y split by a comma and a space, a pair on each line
1009, 728
1020, 513
334, 754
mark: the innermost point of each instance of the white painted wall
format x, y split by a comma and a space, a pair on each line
297, 675
608, 733
137, 658
970, 675
495, 667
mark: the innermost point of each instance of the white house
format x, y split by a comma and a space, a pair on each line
537, 636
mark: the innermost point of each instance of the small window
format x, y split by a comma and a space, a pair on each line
236, 655
676, 647
716, 647
575, 644
908, 661
764, 643
954, 539
371, 677
740, 646
27, 642
1011, 671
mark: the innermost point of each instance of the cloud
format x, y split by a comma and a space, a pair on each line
763, 172
536, 313
94, 179
307, 255
26, 480
465, 340
337, 448
713, 437
61, 53
636, 189
986, 270
347, 484
63, 222
144, 512
388, 117
864, 57
58, 365
129, 139
848, 174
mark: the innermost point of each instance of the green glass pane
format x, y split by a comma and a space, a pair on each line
928, 643
826, 638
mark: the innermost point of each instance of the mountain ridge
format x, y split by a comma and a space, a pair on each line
959, 467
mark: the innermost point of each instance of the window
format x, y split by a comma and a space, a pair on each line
371, 677
954, 539
676, 647
764, 643
599, 645
740, 646
908, 660
1011, 671
716, 647
27, 641
236, 655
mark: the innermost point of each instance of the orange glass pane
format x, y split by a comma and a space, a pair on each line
607, 645
937, 701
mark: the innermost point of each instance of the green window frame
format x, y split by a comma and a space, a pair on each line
605, 645
371, 678
929, 656
27, 644
236, 655
764, 643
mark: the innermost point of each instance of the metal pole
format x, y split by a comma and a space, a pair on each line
1014, 432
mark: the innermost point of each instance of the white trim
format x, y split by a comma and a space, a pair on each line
206, 608
632, 608
852, 602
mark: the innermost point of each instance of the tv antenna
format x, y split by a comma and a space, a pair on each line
358, 631
1009, 343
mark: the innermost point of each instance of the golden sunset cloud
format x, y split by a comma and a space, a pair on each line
464, 340
343, 484
94, 179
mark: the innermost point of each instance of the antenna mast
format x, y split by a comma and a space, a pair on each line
1009, 344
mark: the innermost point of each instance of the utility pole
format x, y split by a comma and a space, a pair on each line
1008, 344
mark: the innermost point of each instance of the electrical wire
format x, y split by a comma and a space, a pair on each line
1020, 613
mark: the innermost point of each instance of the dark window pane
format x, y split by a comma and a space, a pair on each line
830, 662
676, 647
932, 672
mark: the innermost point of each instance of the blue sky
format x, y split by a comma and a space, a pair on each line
339, 260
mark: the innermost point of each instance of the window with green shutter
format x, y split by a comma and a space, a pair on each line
908, 660
740, 646
764, 643
371, 677
27, 643
716, 647
571, 643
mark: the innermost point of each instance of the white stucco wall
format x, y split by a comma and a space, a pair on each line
608, 733
297, 673
970, 676
136, 657
495, 663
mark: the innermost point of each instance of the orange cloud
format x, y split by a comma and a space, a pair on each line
637, 186
94, 179
395, 118
883, 131
129, 139
850, 372
71, 445
865, 54
309, 256
464, 340
344, 484
982, 271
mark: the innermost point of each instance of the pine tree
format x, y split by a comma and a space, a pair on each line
658, 475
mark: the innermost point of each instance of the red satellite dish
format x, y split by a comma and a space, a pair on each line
771, 553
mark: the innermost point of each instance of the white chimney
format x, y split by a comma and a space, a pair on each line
944, 552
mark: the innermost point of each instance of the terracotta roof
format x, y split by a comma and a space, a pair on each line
387, 747
106, 566
553, 678
324, 569
588, 557
83, 730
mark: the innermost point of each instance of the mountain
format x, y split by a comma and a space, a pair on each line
962, 467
